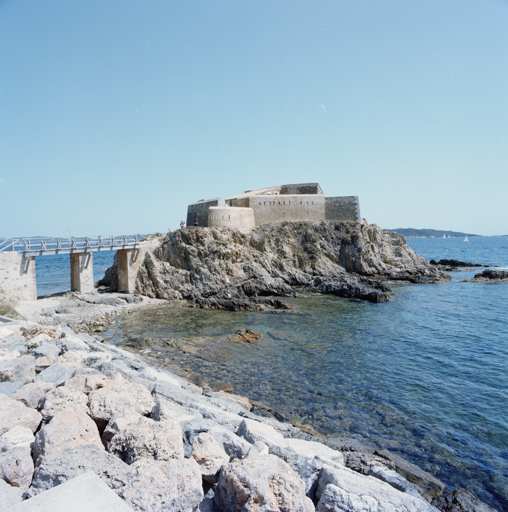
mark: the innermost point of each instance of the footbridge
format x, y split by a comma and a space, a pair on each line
17, 261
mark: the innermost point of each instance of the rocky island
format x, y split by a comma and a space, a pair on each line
224, 268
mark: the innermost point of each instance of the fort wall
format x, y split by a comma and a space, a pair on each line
199, 211
268, 209
293, 203
231, 217
343, 208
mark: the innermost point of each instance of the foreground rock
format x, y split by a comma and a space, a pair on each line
226, 269
159, 443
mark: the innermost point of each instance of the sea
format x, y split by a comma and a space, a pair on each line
424, 375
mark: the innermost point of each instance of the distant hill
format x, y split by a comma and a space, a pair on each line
429, 233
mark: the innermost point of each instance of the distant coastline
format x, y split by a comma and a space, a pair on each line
431, 233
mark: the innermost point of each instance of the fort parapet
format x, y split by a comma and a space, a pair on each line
293, 202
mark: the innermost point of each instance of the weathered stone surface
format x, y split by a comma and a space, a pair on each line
460, 500
17, 466
72, 342
9, 495
394, 479
9, 388
41, 363
19, 369
13, 412
86, 383
34, 393
16, 436
223, 268
361, 459
167, 409
57, 373
343, 489
85, 493
69, 463
264, 483
62, 398
158, 440
45, 349
210, 456
235, 446
68, 428
157, 486
116, 396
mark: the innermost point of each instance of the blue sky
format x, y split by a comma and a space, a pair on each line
114, 115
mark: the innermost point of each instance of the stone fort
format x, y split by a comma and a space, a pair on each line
253, 208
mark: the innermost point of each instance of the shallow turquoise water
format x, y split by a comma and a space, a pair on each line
424, 375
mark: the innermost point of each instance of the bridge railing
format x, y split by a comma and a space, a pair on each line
70, 244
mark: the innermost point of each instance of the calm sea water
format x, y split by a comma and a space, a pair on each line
424, 375
54, 271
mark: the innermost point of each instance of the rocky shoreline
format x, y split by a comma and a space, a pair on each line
72, 404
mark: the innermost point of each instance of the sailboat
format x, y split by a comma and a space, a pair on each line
466, 240
444, 236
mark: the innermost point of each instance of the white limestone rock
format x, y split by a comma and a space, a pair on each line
9, 495
118, 396
263, 484
168, 410
235, 446
163, 486
62, 398
158, 440
19, 369
33, 394
47, 349
57, 468
345, 490
210, 456
68, 427
86, 493
394, 479
86, 383
72, 342
41, 363
57, 373
17, 466
16, 436
13, 412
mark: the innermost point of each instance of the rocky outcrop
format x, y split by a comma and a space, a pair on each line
226, 269
492, 275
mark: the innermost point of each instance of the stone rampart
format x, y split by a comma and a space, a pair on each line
17, 276
231, 217
199, 211
298, 207
343, 208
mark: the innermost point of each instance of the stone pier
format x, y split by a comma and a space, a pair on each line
129, 261
17, 276
82, 272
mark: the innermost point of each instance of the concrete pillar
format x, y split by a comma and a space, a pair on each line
82, 272
129, 261
17, 276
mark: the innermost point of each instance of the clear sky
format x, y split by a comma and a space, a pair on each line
114, 115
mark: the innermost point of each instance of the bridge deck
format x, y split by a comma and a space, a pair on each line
44, 246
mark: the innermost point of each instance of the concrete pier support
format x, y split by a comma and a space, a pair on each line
82, 272
17, 276
129, 261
